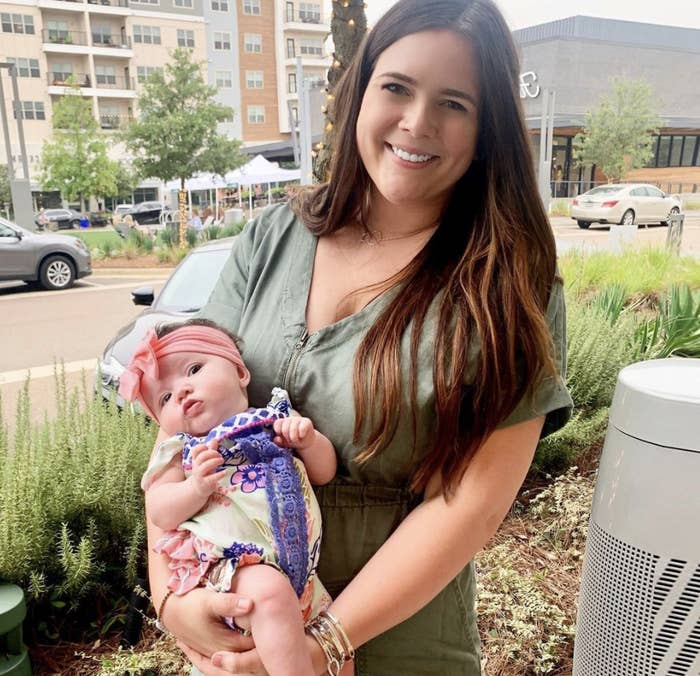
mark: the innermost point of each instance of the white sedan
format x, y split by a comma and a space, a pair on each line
624, 203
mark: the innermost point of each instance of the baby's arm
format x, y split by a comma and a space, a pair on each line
172, 498
315, 450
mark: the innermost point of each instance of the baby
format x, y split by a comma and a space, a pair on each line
226, 488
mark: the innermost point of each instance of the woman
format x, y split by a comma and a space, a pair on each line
411, 308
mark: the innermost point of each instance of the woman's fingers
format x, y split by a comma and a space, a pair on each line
225, 663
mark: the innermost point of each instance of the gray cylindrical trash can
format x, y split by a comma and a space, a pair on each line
639, 606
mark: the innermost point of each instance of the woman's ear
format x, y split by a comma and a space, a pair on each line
243, 374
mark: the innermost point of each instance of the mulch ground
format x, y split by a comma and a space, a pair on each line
123, 263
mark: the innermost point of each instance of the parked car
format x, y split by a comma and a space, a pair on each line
53, 219
146, 213
624, 203
50, 260
99, 218
185, 292
121, 209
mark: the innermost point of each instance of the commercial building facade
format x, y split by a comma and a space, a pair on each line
578, 58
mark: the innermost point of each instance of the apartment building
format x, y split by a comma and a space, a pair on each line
110, 47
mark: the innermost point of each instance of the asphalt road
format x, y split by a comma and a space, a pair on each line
41, 328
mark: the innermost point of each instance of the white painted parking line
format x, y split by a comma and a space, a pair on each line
46, 371
93, 289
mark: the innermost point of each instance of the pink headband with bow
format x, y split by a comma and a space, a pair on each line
188, 338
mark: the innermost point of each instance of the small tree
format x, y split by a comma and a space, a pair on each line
75, 160
348, 27
176, 133
618, 135
5, 192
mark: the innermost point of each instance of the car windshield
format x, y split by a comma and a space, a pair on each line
605, 190
189, 287
14, 226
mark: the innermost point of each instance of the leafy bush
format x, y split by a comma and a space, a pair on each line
71, 509
140, 240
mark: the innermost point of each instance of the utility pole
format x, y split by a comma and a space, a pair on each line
20, 188
544, 175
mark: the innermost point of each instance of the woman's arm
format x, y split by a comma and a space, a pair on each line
401, 578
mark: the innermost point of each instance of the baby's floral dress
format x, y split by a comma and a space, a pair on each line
262, 511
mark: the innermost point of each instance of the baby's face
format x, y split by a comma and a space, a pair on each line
195, 392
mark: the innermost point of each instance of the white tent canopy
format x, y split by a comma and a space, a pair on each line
258, 170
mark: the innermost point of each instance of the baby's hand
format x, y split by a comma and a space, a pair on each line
294, 432
205, 460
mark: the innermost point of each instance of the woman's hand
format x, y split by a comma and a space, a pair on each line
195, 619
225, 663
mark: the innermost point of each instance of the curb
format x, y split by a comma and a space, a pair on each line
131, 272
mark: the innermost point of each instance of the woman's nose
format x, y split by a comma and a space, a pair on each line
418, 119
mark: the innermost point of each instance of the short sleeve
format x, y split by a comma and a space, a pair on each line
225, 305
165, 452
550, 398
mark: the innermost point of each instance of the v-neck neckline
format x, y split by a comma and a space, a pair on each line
297, 289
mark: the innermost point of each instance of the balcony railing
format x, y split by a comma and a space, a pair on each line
114, 120
292, 16
113, 82
59, 36
110, 3
68, 79
115, 41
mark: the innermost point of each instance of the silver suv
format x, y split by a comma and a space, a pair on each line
45, 259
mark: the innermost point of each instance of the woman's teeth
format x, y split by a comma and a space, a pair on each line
408, 156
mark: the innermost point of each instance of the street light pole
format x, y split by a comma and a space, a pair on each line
20, 188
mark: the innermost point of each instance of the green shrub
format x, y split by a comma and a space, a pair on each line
232, 229
140, 240
71, 509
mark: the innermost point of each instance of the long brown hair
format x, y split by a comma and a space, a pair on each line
490, 265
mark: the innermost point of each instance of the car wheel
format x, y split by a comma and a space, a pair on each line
584, 225
75, 224
627, 218
57, 272
674, 212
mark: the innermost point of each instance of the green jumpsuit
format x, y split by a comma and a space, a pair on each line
261, 295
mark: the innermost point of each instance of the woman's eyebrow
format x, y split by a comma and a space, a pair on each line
448, 92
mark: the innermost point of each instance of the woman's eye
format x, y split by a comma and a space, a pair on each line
193, 369
395, 88
455, 105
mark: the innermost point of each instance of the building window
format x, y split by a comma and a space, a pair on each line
256, 114
25, 67
254, 79
252, 43
689, 151
184, 4
224, 79
291, 51
185, 38
251, 7
310, 12
219, 5
145, 2
57, 31
295, 115
105, 75
61, 72
291, 83
222, 41
148, 35
664, 151
101, 35
144, 72
311, 47
290, 11
17, 23
32, 110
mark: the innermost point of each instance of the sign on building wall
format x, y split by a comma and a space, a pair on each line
529, 87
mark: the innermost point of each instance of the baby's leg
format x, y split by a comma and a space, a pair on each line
275, 621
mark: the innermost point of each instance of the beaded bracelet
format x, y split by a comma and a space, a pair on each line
327, 631
159, 614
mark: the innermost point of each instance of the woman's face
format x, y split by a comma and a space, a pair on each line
418, 123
